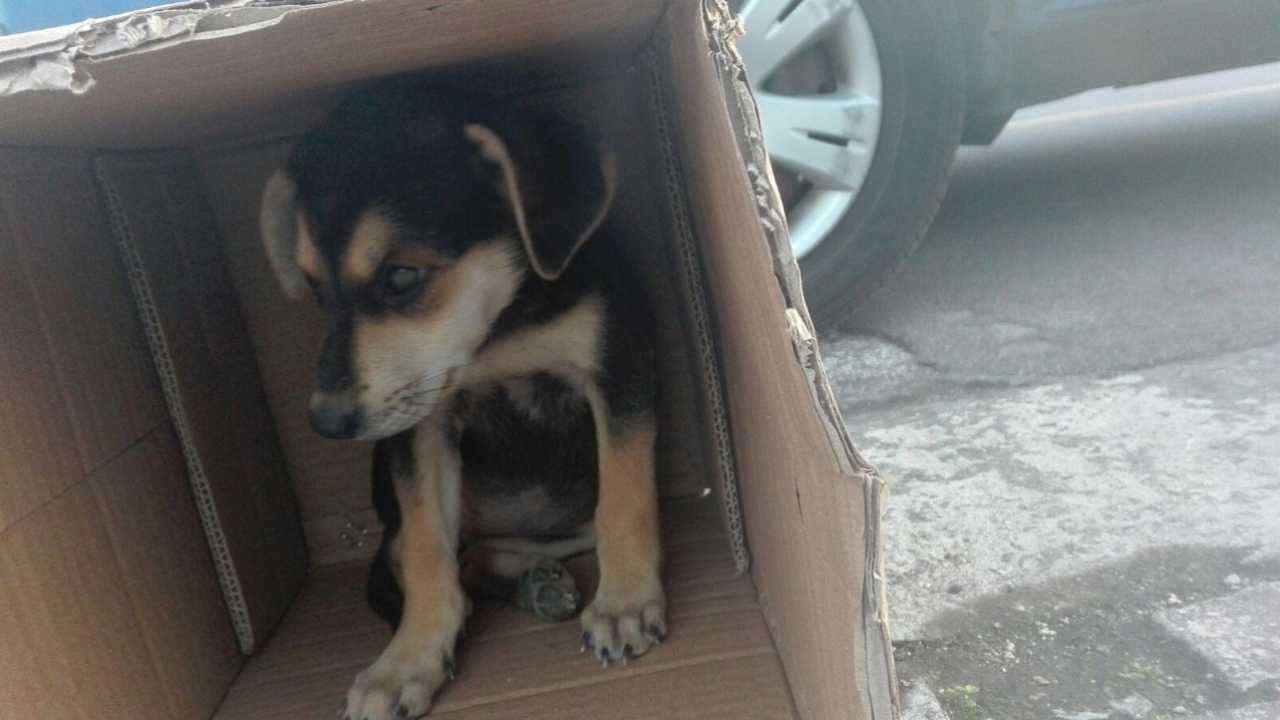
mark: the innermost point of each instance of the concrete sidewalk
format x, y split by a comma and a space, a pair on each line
1074, 387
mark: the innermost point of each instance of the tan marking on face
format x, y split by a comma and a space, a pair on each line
417, 256
307, 254
371, 240
385, 334
407, 361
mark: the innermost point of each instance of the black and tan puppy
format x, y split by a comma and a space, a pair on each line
499, 352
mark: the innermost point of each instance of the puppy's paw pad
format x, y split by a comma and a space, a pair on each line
620, 635
397, 689
549, 592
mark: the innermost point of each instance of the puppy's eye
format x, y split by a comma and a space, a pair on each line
399, 283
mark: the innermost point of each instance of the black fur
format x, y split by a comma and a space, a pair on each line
509, 448
392, 458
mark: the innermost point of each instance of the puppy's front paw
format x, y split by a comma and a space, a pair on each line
620, 627
402, 682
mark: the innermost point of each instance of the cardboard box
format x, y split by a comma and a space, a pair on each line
176, 544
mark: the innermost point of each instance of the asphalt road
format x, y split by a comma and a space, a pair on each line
1074, 386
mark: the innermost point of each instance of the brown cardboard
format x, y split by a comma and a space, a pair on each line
724, 665
82, 300
111, 596
166, 232
802, 499
84, 645
161, 552
110, 602
40, 459
246, 68
747, 411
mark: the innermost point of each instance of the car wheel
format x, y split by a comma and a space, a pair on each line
862, 105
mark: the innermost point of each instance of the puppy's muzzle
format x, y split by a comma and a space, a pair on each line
335, 415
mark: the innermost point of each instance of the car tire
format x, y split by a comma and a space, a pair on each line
922, 116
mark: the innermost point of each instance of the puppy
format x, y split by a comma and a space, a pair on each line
499, 351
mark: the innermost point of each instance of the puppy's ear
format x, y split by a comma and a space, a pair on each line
278, 224
559, 183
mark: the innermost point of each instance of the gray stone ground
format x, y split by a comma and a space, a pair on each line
1075, 388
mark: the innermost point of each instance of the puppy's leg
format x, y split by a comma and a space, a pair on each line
419, 658
628, 615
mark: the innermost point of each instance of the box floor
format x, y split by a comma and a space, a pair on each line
718, 663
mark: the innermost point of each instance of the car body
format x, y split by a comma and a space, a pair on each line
1024, 52
864, 102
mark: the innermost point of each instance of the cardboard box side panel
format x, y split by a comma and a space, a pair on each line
18, 681
194, 86
88, 658
218, 406
803, 516
873, 649
331, 479
270, 526
65, 245
266, 477
108, 601
151, 519
694, 312
40, 457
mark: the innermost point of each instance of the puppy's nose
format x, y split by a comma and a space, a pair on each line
334, 415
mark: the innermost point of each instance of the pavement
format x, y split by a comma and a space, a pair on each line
1074, 387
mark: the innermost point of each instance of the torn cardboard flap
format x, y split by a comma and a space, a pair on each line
54, 59
230, 71
875, 655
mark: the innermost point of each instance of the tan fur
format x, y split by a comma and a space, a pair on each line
417, 256
568, 347
628, 614
425, 549
307, 255
371, 240
427, 568
418, 659
407, 362
627, 513
382, 334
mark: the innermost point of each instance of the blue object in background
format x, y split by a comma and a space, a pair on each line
22, 15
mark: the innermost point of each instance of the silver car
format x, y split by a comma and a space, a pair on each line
864, 101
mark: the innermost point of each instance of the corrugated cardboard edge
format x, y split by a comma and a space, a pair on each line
224, 564
689, 267
876, 650
54, 60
